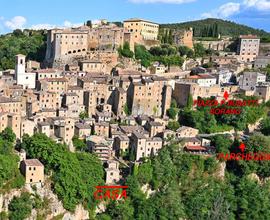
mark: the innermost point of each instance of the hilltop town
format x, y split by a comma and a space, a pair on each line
124, 93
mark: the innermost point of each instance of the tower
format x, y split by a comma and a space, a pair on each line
20, 65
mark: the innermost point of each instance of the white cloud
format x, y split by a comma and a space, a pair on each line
66, 24
223, 11
162, 1
16, 22
69, 24
261, 5
228, 9
207, 15
42, 26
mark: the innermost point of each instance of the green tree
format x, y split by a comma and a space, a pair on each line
173, 125
83, 115
70, 172
142, 54
126, 109
125, 51
172, 112
265, 126
199, 50
79, 144
8, 135
20, 207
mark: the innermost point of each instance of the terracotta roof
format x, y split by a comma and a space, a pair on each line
62, 79
139, 20
201, 76
198, 148
46, 71
249, 36
4, 99
33, 162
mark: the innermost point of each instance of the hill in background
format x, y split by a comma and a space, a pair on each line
207, 27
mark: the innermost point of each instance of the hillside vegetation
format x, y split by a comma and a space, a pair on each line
28, 42
225, 28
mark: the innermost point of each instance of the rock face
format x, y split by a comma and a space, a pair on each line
55, 206
254, 176
221, 170
146, 189
79, 214
6, 198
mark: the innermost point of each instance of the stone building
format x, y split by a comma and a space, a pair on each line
248, 47
249, 80
102, 129
183, 37
185, 131
262, 61
183, 90
83, 130
144, 147
26, 79
112, 172
143, 30
92, 66
66, 46
58, 85
33, 170
63, 44
121, 144
149, 96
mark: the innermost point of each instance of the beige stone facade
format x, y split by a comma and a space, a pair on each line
248, 47
144, 147
185, 131
142, 29
58, 85
150, 96
33, 170
92, 66
183, 38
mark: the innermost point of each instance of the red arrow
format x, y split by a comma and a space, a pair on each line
242, 147
226, 95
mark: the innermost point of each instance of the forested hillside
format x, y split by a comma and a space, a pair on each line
28, 42
211, 26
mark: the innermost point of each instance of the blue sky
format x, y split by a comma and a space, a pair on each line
65, 13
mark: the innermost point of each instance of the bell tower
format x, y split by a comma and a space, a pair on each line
20, 65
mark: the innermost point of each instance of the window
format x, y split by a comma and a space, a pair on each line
30, 168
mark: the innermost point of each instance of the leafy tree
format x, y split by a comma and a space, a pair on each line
125, 51
84, 115
199, 50
29, 42
8, 167
222, 143
79, 144
142, 54
172, 112
20, 207
74, 174
185, 51
265, 126
173, 125
120, 210
126, 109
8, 135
